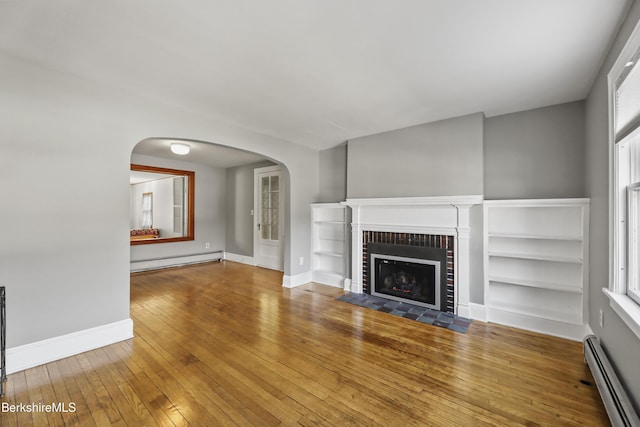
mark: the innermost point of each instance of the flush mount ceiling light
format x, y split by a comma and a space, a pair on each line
179, 148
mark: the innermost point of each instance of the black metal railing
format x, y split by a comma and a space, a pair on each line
3, 339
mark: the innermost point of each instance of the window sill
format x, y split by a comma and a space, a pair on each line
626, 308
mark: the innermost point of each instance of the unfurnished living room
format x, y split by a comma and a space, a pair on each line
320, 213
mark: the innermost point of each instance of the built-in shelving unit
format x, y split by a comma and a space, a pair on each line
536, 264
329, 243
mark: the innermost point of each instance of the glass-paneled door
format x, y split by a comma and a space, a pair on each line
268, 218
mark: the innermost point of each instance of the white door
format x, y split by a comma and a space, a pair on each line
268, 218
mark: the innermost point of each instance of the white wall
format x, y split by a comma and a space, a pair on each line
64, 180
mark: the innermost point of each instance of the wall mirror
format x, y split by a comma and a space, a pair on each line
162, 205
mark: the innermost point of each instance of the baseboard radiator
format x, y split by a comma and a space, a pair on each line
3, 340
619, 408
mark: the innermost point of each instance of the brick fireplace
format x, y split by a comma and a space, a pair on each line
415, 240
434, 222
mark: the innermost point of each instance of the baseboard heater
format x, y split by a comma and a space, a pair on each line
174, 261
3, 340
619, 408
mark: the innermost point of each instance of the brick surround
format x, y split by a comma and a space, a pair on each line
413, 239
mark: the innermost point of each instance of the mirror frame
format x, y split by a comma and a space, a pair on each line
191, 192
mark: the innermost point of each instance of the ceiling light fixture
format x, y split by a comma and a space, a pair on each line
179, 148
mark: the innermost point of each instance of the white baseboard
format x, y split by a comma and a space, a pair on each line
462, 310
45, 351
477, 312
554, 328
329, 279
242, 259
296, 280
155, 264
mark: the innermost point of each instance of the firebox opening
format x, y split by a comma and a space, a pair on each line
416, 275
407, 278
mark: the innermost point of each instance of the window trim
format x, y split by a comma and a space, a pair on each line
621, 303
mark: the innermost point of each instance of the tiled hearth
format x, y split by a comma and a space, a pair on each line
440, 221
409, 311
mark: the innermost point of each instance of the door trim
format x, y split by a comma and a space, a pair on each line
256, 213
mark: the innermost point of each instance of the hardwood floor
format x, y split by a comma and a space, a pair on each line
225, 344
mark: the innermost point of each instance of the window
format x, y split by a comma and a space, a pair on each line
147, 210
624, 95
633, 237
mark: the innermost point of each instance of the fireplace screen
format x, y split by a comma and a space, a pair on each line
402, 279
406, 273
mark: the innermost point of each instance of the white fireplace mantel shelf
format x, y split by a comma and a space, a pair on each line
411, 201
448, 215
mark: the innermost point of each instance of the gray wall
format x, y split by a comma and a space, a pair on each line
66, 149
622, 346
535, 154
239, 205
333, 174
442, 158
210, 213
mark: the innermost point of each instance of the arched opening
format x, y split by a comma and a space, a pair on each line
227, 219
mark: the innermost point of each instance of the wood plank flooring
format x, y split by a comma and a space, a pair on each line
224, 344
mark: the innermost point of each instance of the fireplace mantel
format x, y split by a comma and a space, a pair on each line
412, 201
443, 215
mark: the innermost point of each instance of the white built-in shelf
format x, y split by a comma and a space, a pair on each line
536, 264
542, 314
329, 253
536, 284
550, 258
537, 237
329, 243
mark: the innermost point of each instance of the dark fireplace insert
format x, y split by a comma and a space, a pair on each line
412, 274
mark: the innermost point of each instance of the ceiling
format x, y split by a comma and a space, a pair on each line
200, 152
319, 72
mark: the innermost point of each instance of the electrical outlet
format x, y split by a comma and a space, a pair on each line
301, 260
601, 318
207, 245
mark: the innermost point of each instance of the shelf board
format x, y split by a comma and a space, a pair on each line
536, 237
329, 253
536, 257
330, 239
536, 284
570, 318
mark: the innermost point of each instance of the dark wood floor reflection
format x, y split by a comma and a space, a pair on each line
224, 344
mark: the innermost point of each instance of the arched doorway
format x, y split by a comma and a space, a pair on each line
225, 221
